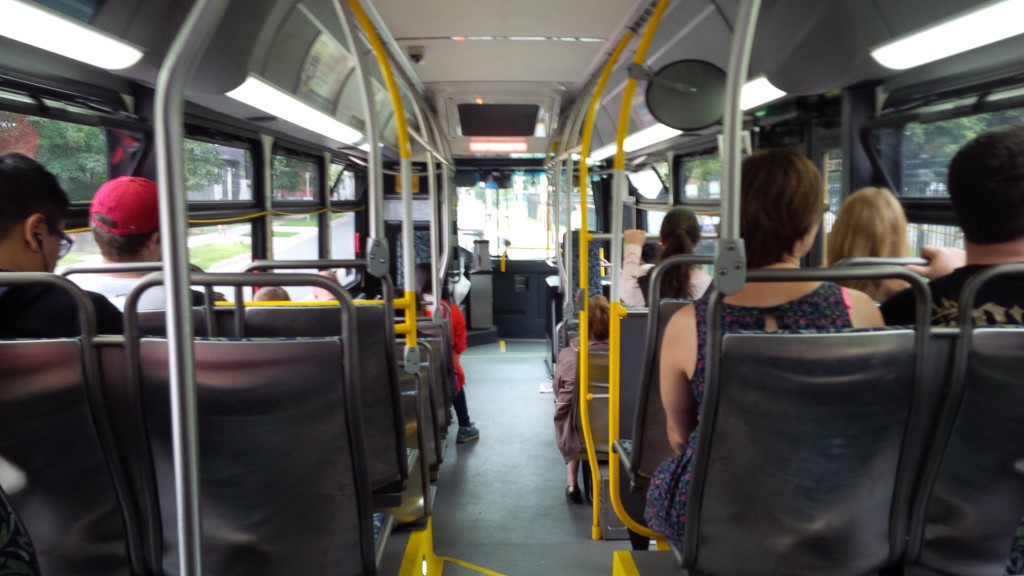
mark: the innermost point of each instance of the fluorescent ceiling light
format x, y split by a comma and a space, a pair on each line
50, 31
978, 28
758, 91
499, 147
642, 139
259, 94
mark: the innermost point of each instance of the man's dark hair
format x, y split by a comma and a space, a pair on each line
649, 252
115, 247
26, 188
986, 185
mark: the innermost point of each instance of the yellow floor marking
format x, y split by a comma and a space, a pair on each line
501, 345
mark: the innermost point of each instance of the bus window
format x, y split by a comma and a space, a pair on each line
833, 168
343, 188
700, 178
295, 237
75, 153
343, 243
295, 179
928, 148
221, 247
919, 235
217, 173
512, 207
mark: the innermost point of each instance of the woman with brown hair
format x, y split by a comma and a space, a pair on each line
870, 223
680, 233
780, 211
564, 382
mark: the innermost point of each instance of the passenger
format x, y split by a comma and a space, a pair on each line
871, 223
271, 294
467, 428
780, 211
32, 208
125, 218
986, 186
322, 294
565, 382
680, 233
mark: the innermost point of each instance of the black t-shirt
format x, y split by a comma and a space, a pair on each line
44, 311
1000, 301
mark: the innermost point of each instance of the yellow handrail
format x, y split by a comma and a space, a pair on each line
584, 242
617, 310
408, 303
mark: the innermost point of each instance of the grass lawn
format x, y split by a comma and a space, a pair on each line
307, 220
277, 234
207, 254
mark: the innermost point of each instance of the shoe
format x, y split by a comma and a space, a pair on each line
467, 433
573, 493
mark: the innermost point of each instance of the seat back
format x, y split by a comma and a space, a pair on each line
68, 502
649, 433
971, 496
378, 377
282, 491
598, 381
800, 454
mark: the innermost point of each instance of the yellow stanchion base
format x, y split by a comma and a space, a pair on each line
623, 565
420, 560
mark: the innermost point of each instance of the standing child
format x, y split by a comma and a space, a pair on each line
450, 310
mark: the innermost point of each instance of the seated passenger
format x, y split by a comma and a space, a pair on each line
565, 382
125, 219
780, 211
32, 207
271, 294
986, 187
322, 294
871, 223
680, 233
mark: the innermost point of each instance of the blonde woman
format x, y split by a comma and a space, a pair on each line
870, 223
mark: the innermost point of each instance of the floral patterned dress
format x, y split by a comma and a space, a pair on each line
824, 309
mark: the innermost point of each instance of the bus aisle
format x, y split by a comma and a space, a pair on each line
501, 499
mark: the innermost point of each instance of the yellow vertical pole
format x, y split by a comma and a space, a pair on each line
617, 310
584, 243
408, 302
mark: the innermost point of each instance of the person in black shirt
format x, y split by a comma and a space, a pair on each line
986, 186
32, 208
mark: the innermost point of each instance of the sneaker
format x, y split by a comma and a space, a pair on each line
467, 433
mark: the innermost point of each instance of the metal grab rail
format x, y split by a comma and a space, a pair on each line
180, 61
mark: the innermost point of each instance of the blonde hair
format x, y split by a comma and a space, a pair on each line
871, 223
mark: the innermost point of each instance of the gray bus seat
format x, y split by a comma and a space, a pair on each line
378, 379
430, 449
803, 437
68, 502
647, 445
282, 491
441, 330
597, 377
435, 357
971, 495
73, 494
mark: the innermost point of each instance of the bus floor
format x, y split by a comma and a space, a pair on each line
500, 501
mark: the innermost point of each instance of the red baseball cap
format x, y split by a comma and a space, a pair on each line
129, 204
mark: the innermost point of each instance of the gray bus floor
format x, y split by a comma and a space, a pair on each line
501, 499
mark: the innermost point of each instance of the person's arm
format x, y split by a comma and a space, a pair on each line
458, 322
864, 312
941, 261
678, 359
629, 288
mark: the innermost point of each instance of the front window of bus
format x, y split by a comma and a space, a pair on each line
508, 206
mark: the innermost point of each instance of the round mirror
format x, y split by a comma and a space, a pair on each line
687, 94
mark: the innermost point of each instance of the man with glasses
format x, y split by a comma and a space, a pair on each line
32, 208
